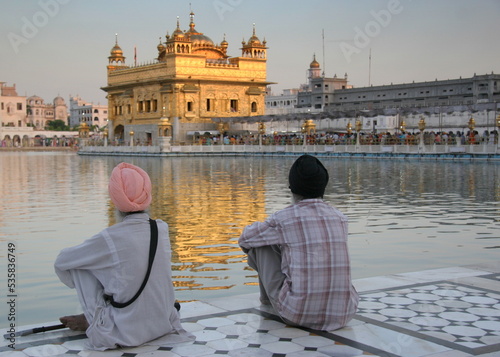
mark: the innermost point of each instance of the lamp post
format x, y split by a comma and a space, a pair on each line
357, 126
421, 127
402, 128
497, 138
262, 131
105, 134
131, 137
349, 131
220, 129
304, 134
471, 125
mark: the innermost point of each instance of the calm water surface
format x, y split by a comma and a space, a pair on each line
404, 216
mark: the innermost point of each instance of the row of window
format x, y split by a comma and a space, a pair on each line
84, 119
401, 94
44, 113
19, 107
89, 111
326, 87
377, 103
281, 102
233, 106
151, 106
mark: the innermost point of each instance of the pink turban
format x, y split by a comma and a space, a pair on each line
130, 188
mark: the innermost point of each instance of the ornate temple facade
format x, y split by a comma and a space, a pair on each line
191, 81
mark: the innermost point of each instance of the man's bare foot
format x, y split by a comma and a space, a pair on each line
75, 322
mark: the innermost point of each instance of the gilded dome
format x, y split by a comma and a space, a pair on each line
160, 46
116, 53
254, 40
314, 63
201, 40
178, 32
198, 38
116, 50
224, 43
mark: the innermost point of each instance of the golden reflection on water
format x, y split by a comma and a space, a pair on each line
206, 204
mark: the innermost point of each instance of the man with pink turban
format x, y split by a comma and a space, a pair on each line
112, 266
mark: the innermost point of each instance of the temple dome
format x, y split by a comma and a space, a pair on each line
254, 40
34, 99
59, 101
116, 51
178, 32
314, 63
198, 38
161, 46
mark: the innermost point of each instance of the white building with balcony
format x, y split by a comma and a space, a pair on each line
85, 112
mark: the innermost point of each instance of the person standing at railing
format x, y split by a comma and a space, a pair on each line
437, 139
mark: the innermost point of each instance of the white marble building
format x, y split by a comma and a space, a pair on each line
85, 112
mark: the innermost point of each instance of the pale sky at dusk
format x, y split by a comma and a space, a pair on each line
61, 47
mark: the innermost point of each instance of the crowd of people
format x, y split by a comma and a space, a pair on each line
39, 142
385, 138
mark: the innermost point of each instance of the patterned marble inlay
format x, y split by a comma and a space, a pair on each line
448, 312
248, 332
458, 316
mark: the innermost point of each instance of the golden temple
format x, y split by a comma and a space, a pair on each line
190, 82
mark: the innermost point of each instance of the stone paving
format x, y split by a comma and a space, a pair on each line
449, 312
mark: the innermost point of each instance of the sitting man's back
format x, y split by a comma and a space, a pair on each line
301, 255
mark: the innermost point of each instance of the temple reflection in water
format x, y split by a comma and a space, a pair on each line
206, 204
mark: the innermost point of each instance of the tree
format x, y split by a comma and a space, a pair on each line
57, 125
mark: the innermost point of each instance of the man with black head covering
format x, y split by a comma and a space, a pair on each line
301, 256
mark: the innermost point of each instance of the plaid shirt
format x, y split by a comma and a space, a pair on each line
317, 291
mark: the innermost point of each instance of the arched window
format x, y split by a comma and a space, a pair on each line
254, 107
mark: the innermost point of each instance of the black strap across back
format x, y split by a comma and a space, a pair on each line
152, 252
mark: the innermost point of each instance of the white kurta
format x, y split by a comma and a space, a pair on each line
115, 262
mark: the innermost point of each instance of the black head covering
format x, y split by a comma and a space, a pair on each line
308, 177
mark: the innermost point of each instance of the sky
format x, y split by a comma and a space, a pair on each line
55, 48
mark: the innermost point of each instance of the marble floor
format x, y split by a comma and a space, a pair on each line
449, 312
